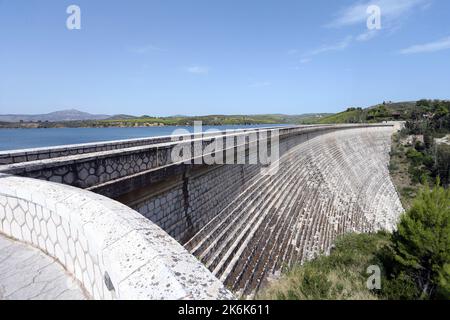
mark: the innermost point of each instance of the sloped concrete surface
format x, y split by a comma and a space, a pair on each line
26, 273
329, 185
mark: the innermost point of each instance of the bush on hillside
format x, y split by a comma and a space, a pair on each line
421, 246
443, 163
340, 276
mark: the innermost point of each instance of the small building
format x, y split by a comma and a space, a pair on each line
396, 115
411, 140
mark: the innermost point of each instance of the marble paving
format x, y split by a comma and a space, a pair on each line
26, 273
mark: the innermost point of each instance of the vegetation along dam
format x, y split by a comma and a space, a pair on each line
128, 220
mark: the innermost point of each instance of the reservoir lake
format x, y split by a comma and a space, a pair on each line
13, 139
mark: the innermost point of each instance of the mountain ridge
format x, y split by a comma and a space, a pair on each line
55, 116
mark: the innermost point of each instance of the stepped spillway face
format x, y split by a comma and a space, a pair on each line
334, 183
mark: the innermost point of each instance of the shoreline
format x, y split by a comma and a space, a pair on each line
58, 126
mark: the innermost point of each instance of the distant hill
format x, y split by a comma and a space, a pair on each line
348, 116
77, 119
120, 117
397, 106
73, 115
57, 116
215, 119
385, 111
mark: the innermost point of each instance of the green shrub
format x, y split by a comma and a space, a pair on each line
419, 146
415, 156
421, 245
443, 163
418, 174
341, 275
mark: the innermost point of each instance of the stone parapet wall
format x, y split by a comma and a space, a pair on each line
113, 251
94, 169
34, 154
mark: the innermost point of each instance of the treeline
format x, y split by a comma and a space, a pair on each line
434, 110
149, 121
430, 117
429, 159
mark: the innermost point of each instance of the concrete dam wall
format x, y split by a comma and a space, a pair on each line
244, 226
332, 184
243, 221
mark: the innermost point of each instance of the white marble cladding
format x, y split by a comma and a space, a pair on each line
115, 252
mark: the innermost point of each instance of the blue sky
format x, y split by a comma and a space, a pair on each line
220, 56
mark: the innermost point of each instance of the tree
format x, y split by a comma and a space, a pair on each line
421, 245
423, 103
442, 157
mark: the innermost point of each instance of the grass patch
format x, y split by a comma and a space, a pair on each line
339, 276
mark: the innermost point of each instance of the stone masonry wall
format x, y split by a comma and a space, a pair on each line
190, 204
27, 155
96, 168
186, 206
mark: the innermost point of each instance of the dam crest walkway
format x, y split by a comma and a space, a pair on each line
29, 274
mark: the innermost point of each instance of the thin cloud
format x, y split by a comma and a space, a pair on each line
339, 46
305, 60
390, 10
333, 47
365, 36
439, 45
197, 70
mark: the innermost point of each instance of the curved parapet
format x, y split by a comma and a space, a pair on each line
111, 249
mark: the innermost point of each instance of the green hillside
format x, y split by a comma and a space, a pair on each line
215, 120
148, 121
387, 111
351, 115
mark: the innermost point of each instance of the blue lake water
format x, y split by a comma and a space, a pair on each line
11, 139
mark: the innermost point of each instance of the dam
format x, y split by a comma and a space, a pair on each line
128, 221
